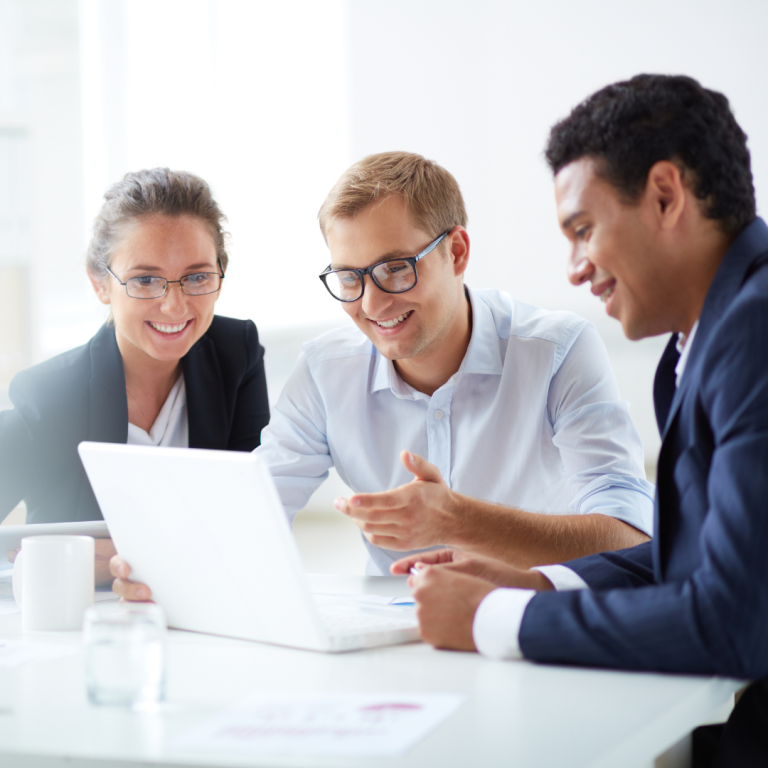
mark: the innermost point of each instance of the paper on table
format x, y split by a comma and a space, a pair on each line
330, 725
16, 652
324, 598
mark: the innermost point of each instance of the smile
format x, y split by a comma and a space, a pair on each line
169, 328
606, 294
394, 321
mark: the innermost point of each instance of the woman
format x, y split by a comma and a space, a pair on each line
163, 370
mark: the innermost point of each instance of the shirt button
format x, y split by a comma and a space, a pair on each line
439, 415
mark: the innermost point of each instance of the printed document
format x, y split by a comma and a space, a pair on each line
328, 725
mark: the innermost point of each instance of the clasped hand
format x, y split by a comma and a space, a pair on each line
449, 586
419, 514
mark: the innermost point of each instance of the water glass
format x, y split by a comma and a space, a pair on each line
124, 654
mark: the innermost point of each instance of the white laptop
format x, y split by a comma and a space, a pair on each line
207, 531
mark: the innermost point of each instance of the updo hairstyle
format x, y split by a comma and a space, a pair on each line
155, 191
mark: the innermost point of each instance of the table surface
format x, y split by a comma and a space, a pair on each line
515, 713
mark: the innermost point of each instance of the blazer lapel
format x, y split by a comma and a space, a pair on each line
109, 403
206, 401
746, 252
108, 408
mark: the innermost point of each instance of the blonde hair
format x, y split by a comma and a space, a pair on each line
155, 191
432, 196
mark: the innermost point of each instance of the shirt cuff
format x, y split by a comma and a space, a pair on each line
562, 577
496, 626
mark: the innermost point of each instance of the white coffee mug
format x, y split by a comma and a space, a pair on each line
53, 581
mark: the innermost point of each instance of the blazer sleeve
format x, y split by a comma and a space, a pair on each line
16, 460
631, 567
715, 620
251, 413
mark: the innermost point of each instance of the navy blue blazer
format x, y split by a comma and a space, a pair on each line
695, 599
80, 395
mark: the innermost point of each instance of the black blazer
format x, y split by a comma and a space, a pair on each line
80, 395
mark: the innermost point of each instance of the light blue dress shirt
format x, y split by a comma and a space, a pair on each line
532, 419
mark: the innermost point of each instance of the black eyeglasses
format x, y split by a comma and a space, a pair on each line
150, 287
395, 276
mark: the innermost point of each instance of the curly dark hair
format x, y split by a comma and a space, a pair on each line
631, 125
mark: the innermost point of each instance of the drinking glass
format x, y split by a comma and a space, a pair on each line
124, 653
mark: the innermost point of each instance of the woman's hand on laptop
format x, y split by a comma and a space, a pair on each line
123, 586
105, 551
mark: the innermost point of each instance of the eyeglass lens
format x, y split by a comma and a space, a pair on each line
390, 276
148, 287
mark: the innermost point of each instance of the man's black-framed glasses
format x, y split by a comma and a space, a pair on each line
392, 276
151, 287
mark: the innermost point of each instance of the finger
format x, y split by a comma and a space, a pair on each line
386, 542
368, 510
381, 529
119, 568
104, 548
394, 499
434, 557
11, 555
416, 580
420, 467
131, 590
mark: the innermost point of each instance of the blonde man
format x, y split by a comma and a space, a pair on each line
443, 403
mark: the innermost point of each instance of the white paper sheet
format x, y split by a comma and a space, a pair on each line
327, 598
16, 652
328, 725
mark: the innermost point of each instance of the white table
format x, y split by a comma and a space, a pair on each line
515, 714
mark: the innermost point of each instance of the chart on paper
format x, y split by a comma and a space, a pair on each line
333, 725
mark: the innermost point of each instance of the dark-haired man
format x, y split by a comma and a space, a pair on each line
654, 193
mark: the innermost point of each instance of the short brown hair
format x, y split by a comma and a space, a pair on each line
155, 191
431, 194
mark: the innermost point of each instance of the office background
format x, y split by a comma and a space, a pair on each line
270, 101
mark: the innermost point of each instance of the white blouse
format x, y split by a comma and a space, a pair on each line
171, 427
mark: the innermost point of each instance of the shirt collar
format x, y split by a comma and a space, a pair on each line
483, 354
684, 344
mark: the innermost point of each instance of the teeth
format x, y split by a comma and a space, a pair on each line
169, 328
606, 294
393, 322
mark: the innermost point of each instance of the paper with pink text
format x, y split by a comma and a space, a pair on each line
329, 725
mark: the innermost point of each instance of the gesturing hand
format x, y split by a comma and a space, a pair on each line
420, 514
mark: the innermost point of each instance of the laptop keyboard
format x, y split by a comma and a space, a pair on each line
338, 624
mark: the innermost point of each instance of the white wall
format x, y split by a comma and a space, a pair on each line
41, 194
271, 101
477, 86
249, 95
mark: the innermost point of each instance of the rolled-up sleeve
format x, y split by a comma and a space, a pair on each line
600, 448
